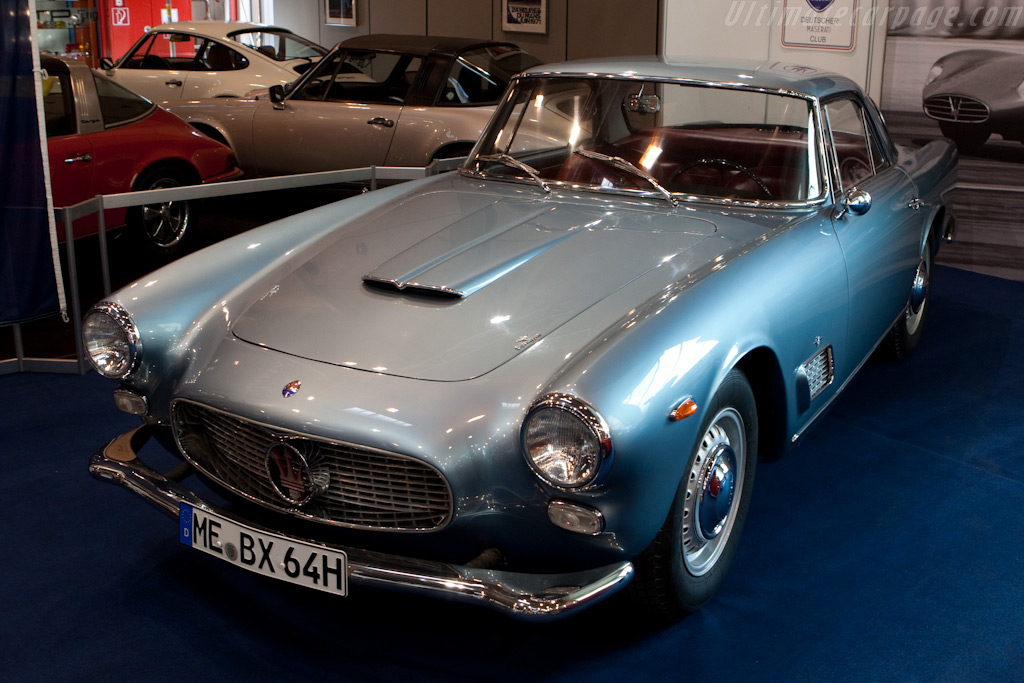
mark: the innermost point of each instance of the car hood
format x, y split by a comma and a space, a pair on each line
978, 72
448, 285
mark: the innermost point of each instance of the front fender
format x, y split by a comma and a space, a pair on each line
184, 310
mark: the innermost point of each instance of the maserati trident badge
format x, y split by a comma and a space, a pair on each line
291, 389
290, 474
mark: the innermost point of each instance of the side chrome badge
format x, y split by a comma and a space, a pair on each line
291, 389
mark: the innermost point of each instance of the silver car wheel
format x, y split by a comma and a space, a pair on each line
165, 225
713, 491
919, 294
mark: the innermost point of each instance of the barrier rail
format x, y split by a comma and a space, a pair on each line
100, 204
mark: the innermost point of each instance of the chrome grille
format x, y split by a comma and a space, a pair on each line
956, 108
820, 371
366, 488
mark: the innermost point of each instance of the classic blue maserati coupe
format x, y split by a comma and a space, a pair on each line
546, 376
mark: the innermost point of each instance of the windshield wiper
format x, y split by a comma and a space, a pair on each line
623, 165
509, 160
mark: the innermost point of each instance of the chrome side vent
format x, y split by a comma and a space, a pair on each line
813, 377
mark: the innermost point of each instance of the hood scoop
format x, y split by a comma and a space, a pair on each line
446, 286
461, 258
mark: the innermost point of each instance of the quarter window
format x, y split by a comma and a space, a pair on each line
481, 76
118, 104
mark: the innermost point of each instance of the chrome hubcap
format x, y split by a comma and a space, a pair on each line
165, 224
713, 489
918, 297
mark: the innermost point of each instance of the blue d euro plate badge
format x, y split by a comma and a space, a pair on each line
273, 555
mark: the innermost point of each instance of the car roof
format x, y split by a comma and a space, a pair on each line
419, 45
769, 75
215, 29
61, 65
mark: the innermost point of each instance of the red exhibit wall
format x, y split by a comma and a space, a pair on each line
126, 20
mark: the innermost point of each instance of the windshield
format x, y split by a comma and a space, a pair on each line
279, 45
654, 137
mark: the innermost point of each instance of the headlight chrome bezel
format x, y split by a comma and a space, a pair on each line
130, 340
590, 422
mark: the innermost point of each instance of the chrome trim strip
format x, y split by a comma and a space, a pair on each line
526, 596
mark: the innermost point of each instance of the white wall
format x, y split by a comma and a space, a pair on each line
753, 29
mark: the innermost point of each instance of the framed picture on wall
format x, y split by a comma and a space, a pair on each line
340, 12
524, 16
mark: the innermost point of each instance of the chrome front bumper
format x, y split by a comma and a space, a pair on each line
531, 596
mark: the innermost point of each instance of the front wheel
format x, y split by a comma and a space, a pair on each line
966, 136
685, 565
163, 228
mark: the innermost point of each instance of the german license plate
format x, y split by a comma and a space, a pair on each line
278, 557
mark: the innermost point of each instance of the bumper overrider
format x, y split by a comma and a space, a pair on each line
529, 596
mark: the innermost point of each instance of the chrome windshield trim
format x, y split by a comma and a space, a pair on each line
826, 184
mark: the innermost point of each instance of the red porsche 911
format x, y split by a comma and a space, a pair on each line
105, 139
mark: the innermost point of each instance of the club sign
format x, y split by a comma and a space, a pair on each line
819, 24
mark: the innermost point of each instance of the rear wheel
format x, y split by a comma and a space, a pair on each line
685, 565
906, 332
163, 228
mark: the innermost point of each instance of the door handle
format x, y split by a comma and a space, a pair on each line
177, 83
80, 157
381, 121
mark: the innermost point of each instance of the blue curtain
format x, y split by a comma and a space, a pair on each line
28, 286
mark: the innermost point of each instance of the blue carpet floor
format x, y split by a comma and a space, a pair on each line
888, 547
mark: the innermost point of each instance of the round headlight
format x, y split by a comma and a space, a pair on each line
934, 73
566, 442
111, 340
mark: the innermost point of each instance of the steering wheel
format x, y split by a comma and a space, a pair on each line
730, 165
852, 170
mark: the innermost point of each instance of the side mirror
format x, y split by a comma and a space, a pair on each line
277, 96
857, 202
106, 64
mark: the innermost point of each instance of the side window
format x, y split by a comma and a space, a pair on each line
377, 77
58, 106
362, 76
857, 151
118, 104
146, 57
165, 52
319, 81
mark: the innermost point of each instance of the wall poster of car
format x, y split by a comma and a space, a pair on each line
340, 13
955, 68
